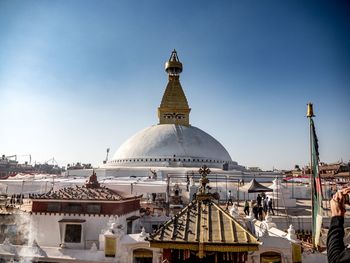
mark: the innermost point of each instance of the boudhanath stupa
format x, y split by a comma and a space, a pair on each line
172, 145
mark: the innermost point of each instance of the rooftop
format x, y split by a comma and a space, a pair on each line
204, 225
91, 190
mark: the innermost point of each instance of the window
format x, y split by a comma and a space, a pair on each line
53, 207
73, 208
73, 233
129, 227
93, 208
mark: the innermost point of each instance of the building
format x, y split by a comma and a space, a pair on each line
339, 171
74, 216
204, 232
173, 145
74, 224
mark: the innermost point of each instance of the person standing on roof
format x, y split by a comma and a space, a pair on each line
258, 200
265, 204
246, 207
270, 206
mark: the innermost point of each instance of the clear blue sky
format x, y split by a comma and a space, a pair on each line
77, 77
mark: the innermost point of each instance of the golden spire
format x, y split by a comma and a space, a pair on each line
174, 107
310, 110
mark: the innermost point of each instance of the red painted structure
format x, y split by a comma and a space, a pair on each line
90, 198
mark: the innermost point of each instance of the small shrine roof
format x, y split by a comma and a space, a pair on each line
91, 190
204, 222
204, 225
80, 193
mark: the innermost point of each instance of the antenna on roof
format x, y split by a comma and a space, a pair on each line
106, 160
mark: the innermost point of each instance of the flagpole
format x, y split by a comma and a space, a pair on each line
309, 115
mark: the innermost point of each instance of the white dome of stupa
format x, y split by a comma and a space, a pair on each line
171, 145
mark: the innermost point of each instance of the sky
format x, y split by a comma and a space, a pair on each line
77, 77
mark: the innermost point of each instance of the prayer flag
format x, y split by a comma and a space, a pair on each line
317, 188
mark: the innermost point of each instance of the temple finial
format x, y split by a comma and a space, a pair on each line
173, 66
310, 110
203, 171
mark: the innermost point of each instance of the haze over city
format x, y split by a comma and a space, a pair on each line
79, 77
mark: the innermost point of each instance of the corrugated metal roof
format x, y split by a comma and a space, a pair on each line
204, 222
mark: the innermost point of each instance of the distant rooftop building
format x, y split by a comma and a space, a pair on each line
339, 171
254, 169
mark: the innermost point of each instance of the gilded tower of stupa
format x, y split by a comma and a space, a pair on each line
174, 107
